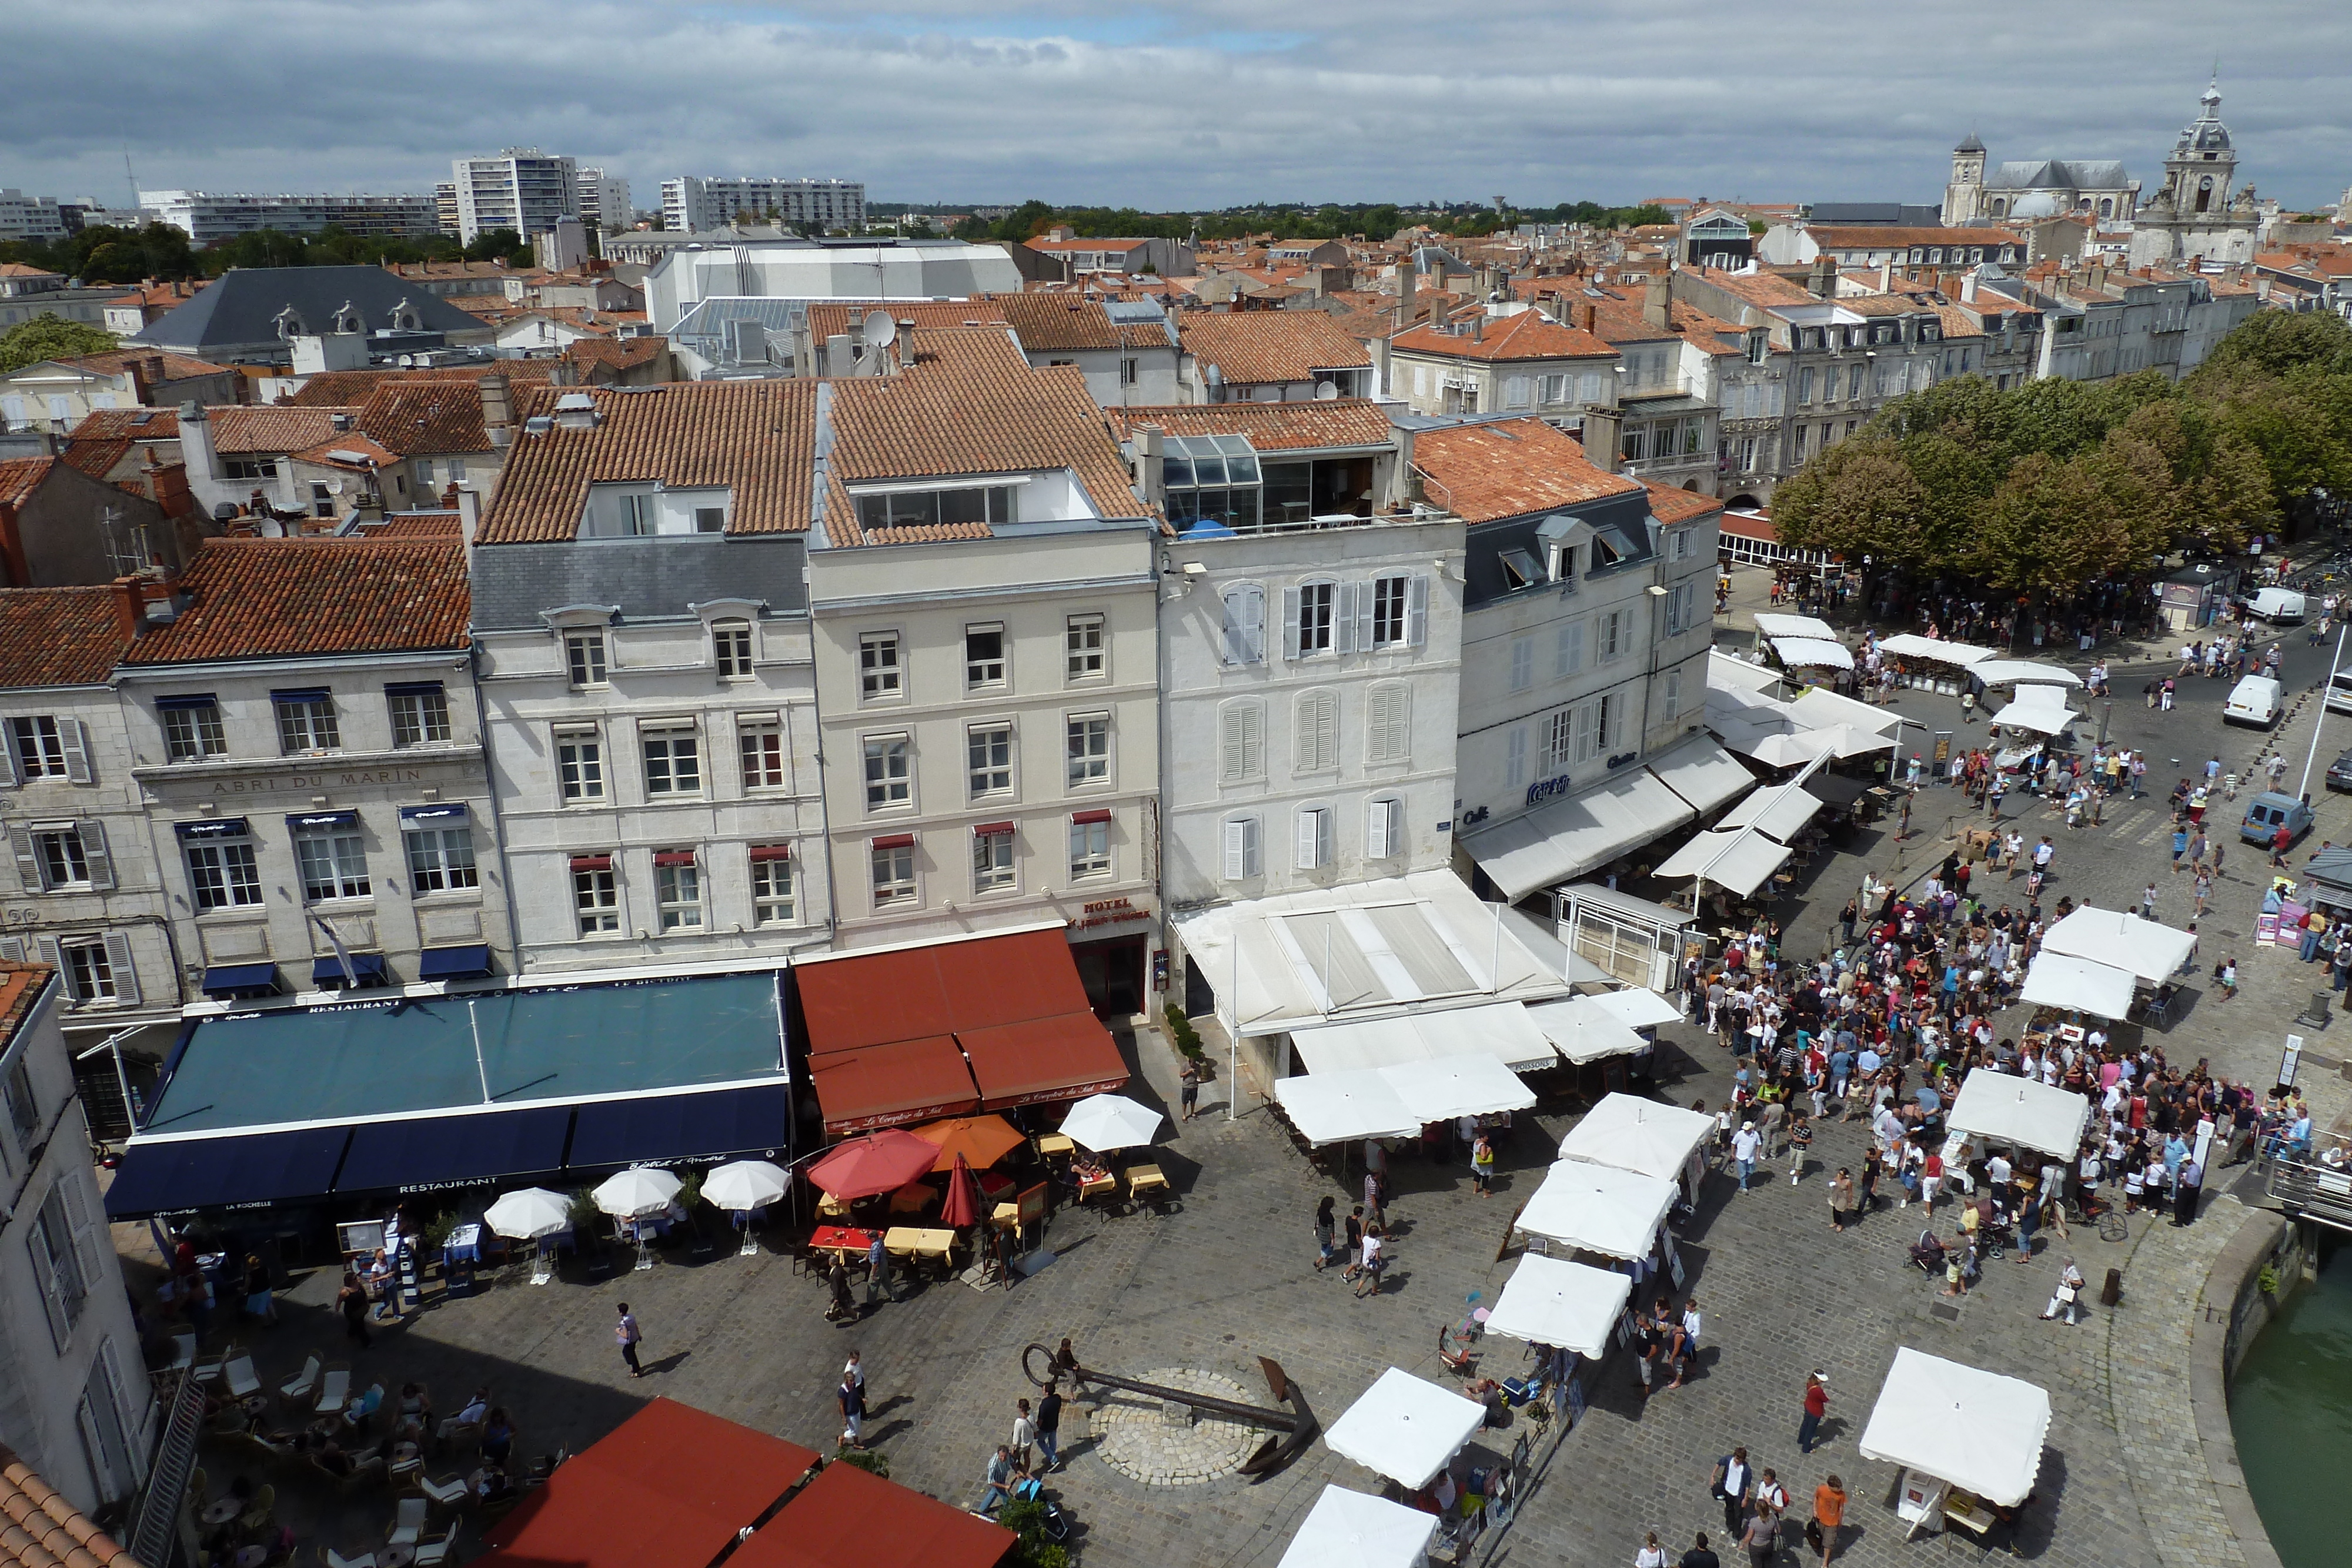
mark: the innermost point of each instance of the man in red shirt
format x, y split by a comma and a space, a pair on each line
1817, 1404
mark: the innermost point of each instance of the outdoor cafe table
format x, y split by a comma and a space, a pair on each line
224, 1510
1096, 1185
842, 1239
911, 1242
1141, 1179
1053, 1143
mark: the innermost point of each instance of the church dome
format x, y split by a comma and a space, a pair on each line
2207, 133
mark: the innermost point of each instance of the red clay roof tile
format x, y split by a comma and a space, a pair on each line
58, 636
264, 599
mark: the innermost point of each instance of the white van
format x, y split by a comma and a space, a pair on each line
2339, 693
2255, 701
2279, 604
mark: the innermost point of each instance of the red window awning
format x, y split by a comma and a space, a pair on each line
893, 1083
592, 862
1100, 815
673, 857
1067, 1057
771, 852
983, 829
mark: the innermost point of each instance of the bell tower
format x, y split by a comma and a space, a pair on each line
1964, 196
2203, 162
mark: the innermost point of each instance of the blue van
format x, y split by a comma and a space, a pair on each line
2267, 811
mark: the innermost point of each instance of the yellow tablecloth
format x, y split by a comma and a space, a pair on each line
919, 1243
1051, 1143
1146, 1179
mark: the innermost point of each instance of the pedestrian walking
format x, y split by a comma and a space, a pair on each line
851, 1397
878, 1283
1762, 1537
1840, 1198
353, 1303
1733, 1481
1817, 1404
1326, 1232
1368, 1277
1355, 1241
2187, 1189
1745, 1144
1023, 1442
1829, 1517
1190, 1089
1375, 1195
1481, 1166
838, 1305
1800, 1143
1698, 1556
630, 1335
1650, 1554
854, 1369
1049, 1427
2147, 903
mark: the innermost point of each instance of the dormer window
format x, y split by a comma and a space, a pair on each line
347, 319
988, 504
644, 511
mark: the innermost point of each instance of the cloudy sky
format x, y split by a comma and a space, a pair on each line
1164, 105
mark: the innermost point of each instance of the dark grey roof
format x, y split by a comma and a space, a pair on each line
2060, 175
240, 307
1970, 143
1891, 215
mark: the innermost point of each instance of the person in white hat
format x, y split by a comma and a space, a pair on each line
1745, 1144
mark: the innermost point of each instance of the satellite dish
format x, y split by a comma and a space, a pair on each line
880, 330
1326, 390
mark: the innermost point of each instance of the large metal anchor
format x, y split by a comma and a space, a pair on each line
1297, 1424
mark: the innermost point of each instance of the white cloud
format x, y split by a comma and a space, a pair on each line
1212, 103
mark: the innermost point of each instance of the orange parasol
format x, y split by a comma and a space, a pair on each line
983, 1140
963, 1206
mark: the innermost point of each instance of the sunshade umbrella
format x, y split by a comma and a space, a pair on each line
877, 1163
1106, 1121
985, 1140
530, 1213
962, 1204
639, 1190
746, 1184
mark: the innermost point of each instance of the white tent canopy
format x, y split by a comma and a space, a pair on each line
1630, 1133
2123, 941
1793, 750
1584, 1031
1356, 1530
2008, 672
1598, 1208
1564, 837
1820, 710
1724, 669
1977, 1430
1637, 1006
1776, 625
2064, 980
1907, 645
2010, 1109
1405, 1427
1777, 813
1740, 861
1697, 768
1812, 653
1335, 1107
1554, 1301
1499, 1030
1459, 1086
2041, 709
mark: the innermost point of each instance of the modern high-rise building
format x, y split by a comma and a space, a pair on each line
444, 206
29, 217
522, 188
691, 202
604, 201
210, 217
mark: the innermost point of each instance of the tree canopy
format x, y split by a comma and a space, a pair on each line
49, 336
2055, 483
1288, 222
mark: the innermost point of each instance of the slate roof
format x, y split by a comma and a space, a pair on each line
1509, 468
270, 599
58, 636
1251, 348
1270, 426
43, 1530
241, 306
2058, 174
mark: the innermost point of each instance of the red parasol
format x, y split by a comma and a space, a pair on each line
877, 1163
963, 1206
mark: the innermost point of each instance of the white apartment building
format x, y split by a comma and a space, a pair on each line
603, 202
75, 1404
522, 188
29, 217
691, 203
207, 217
1519, 360
640, 618
982, 597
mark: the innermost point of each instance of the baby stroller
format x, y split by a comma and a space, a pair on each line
1056, 1523
1927, 1254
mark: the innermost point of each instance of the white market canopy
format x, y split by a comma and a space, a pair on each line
1562, 839
1356, 1530
1555, 1301
1726, 670
1812, 653
1701, 772
1977, 1430
1775, 625
2064, 980
2008, 672
1777, 813
1741, 860
1637, 1006
1630, 1133
1460, 1086
2123, 941
2041, 709
1821, 709
1584, 1031
1790, 750
1908, 646
1497, 1031
1406, 1429
1600, 1208
2008, 1109
1338, 1107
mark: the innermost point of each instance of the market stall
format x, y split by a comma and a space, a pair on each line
1356, 1530
1598, 1209
2150, 951
1582, 1030
1340, 1107
1740, 861
1405, 1427
2063, 981
2007, 1109
1627, 1132
1972, 1438
2041, 710
1637, 1006
1552, 1300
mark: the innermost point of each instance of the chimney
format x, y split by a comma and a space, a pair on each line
1886, 277
1150, 465
167, 486
1654, 313
196, 443
1601, 427
1478, 328
1968, 286
906, 342
1380, 348
1588, 315
1401, 487
1405, 280
469, 517
129, 606
15, 570
1822, 281
1440, 312
498, 409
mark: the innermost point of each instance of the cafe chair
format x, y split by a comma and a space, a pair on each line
183, 1350
334, 1389
450, 1493
429, 1552
299, 1391
335, 1560
257, 1512
407, 1524
242, 1380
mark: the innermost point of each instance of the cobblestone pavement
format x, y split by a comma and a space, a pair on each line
1223, 1278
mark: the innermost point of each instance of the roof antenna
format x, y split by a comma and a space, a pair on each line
133, 179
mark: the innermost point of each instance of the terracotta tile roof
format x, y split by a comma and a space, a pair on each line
833, 318
1958, 322
416, 526
1530, 335
337, 388
348, 449
269, 429
755, 437
264, 599
423, 419
1270, 426
1671, 505
96, 458
1871, 236
58, 636
19, 269
43, 1530
1762, 289
1250, 348
20, 476
1055, 323
116, 361
614, 353
1509, 468
128, 424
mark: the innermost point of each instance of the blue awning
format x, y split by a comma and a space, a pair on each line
215, 828
451, 812
328, 970
300, 694
456, 1150
227, 1172
681, 1127
411, 688
187, 702
323, 819
240, 979
454, 963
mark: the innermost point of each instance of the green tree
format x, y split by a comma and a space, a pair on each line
49, 336
1859, 498
2278, 341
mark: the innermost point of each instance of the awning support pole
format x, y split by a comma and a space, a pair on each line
475, 1024
1233, 1036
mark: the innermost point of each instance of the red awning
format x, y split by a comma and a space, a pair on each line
983, 830
1064, 1057
772, 851
673, 857
1101, 814
849, 1518
893, 1083
592, 862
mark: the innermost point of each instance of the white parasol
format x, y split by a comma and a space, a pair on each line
746, 1184
639, 1190
528, 1214
1106, 1121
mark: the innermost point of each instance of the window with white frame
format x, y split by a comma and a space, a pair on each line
1241, 741
991, 859
677, 890
1309, 614
1552, 390
1398, 606
333, 861
673, 757
1089, 845
1383, 829
1245, 623
889, 772
772, 886
1316, 748
221, 873
880, 676
760, 745
1086, 658
731, 649
306, 722
57, 1265
192, 728
44, 745
57, 857
893, 871
420, 714
580, 763
1674, 610
1314, 834
988, 760
583, 657
87, 966
1388, 723
983, 657
440, 857
1240, 836
1670, 700
1089, 745
1608, 640
595, 894
1558, 739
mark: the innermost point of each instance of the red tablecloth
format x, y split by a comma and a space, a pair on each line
843, 1236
